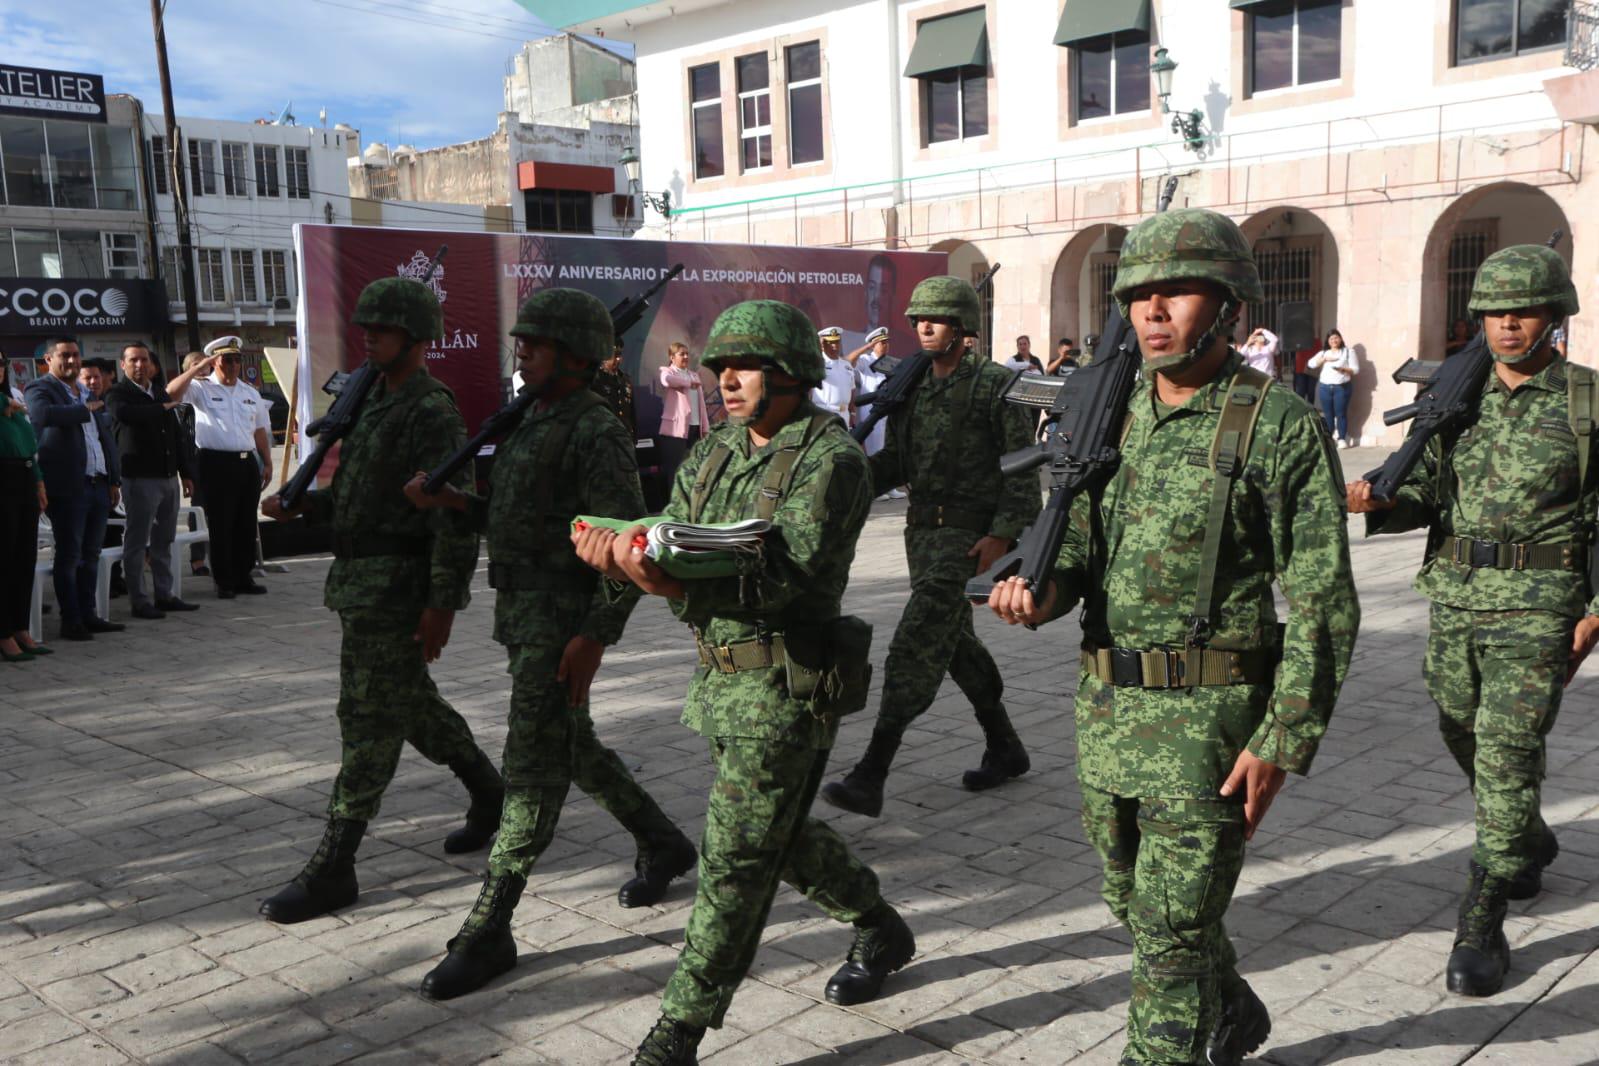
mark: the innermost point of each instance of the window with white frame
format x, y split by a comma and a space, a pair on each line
172, 271
211, 275
158, 164
297, 165
266, 170
235, 178
705, 90
754, 75
121, 255
1112, 75
1294, 42
804, 76
955, 105
245, 290
274, 274
203, 168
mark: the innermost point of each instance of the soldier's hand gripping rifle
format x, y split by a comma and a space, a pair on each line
1081, 442
901, 382
341, 417
624, 316
1446, 402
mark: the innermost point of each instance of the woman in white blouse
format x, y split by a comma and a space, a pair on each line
1338, 365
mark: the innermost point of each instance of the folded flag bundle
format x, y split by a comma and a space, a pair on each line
687, 550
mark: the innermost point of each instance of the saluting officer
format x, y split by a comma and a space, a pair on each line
397, 579
779, 666
946, 444
568, 456
1509, 505
1192, 705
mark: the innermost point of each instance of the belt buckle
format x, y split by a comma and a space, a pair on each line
1459, 551
1173, 662
1484, 555
1125, 668
723, 654
1518, 557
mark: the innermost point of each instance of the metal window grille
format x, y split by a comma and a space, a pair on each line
1582, 35
235, 180
274, 274
1474, 241
212, 276
1102, 281
245, 290
1290, 272
298, 168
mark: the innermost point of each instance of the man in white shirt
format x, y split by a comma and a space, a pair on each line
837, 391
233, 435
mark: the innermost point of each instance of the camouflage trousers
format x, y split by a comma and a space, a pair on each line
758, 831
386, 698
1170, 866
935, 637
549, 746
1497, 678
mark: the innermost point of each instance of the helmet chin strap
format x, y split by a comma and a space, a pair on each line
1226, 314
1546, 337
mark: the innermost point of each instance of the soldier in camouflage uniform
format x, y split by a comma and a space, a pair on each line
779, 666
946, 443
1191, 709
1510, 517
613, 386
568, 456
397, 579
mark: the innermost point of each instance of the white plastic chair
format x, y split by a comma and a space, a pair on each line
180, 544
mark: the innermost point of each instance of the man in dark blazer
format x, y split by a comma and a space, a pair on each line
149, 441
77, 455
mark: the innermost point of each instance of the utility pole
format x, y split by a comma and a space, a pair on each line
180, 185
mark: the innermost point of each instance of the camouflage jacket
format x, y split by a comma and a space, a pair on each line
416, 427
798, 580
952, 457
533, 497
1510, 476
1286, 523
617, 392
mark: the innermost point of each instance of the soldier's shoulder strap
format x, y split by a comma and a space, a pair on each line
780, 474
1229, 452
1580, 409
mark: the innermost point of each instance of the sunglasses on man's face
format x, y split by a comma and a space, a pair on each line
229, 359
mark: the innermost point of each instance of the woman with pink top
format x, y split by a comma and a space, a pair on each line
683, 418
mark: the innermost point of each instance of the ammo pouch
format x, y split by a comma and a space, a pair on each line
829, 666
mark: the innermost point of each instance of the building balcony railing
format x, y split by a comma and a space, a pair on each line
1582, 35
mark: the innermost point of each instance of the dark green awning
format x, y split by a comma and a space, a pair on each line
1083, 19
949, 43
1248, 3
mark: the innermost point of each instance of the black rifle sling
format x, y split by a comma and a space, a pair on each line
1229, 451
1580, 410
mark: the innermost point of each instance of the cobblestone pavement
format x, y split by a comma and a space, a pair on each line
156, 784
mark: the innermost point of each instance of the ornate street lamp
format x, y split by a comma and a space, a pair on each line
1189, 124
662, 202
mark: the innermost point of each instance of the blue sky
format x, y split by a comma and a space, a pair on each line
425, 72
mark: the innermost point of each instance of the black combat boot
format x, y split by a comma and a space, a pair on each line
487, 790
883, 944
658, 863
484, 948
861, 791
670, 1043
1003, 758
1481, 958
1529, 882
1243, 1026
328, 881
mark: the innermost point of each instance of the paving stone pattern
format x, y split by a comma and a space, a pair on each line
155, 785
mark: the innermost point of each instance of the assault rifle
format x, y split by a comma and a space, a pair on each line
334, 426
901, 382
1447, 400
1080, 443
624, 316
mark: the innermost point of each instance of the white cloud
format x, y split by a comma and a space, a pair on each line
427, 82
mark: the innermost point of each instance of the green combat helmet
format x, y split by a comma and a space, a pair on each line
571, 318
772, 331
947, 297
401, 303
1524, 275
1189, 244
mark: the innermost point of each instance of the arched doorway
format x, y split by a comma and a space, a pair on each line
1471, 229
1297, 257
967, 261
1080, 288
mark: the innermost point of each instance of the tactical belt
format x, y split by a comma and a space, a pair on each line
1179, 667
743, 655
530, 577
1492, 555
372, 546
937, 516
